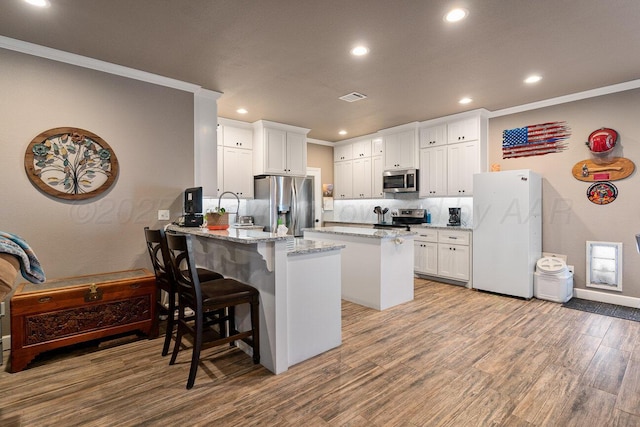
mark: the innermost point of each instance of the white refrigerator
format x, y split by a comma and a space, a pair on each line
507, 231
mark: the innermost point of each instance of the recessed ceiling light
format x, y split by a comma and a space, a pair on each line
242, 111
465, 100
533, 79
359, 51
455, 15
343, 132
38, 3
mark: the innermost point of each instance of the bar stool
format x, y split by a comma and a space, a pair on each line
207, 299
157, 248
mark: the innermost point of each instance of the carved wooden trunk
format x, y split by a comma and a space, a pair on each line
67, 311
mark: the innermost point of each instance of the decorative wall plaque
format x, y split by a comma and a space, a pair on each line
71, 163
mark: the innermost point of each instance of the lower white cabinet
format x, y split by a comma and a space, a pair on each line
443, 253
426, 252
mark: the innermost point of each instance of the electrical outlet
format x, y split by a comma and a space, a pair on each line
164, 215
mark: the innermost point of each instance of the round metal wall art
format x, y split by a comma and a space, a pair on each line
71, 163
602, 193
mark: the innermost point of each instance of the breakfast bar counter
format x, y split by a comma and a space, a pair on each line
299, 283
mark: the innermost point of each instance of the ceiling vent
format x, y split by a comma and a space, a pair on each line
353, 97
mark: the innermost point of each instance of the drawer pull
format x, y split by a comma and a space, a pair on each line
453, 238
134, 285
44, 299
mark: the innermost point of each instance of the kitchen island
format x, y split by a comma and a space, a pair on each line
299, 283
377, 265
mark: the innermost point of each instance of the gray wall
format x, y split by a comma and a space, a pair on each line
149, 127
569, 219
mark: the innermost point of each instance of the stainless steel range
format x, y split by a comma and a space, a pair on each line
404, 218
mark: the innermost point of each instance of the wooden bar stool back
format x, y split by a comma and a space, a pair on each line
159, 253
206, 299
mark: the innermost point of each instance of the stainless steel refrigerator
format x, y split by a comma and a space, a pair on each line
283, 198
507, 231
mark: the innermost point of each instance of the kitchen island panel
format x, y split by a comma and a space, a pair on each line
377, 267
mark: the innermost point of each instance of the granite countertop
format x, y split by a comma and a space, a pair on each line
305, 246
365, 232
237, 235
444, 226
247, 235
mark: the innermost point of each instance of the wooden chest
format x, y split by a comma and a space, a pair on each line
67, 311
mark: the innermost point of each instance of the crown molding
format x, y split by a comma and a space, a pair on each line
95, 64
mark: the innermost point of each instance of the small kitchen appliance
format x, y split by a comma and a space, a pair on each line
454, 217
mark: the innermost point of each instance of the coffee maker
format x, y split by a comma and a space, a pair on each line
454, 217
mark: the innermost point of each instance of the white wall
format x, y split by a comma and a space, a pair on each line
569, 219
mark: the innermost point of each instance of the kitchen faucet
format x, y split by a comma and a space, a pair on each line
237, 198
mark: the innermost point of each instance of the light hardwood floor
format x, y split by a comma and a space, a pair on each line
451, 357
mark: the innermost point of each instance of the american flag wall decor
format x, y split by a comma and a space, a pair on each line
535, 140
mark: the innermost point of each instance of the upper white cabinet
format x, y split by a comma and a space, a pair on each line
361, 149
342, 152
377, 168
463, 130
377, 147
237, 176
362, 178
433, 171
343, 180
400, 149
237, 137
463, 161
451, 152
279, 149
433, 136
235, 158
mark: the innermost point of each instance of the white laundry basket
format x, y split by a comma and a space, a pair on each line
553, 280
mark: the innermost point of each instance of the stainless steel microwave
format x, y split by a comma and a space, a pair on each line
400, 181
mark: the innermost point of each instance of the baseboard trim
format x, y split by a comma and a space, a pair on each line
607, 298
6, 342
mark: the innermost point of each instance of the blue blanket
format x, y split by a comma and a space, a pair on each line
29, 264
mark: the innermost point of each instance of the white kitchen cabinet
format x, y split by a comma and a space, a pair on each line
235, 158
433, 136
433, 171
237, 176
279, 149
361, 174
426, 252
237, 137
443, 253
220, 170
453, 261
463, 130
342, 152
454, 254
361, 149
400, 150
343, 180
463, 161
377, 167
377, 147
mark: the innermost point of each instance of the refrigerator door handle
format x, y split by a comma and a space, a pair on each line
294, 207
